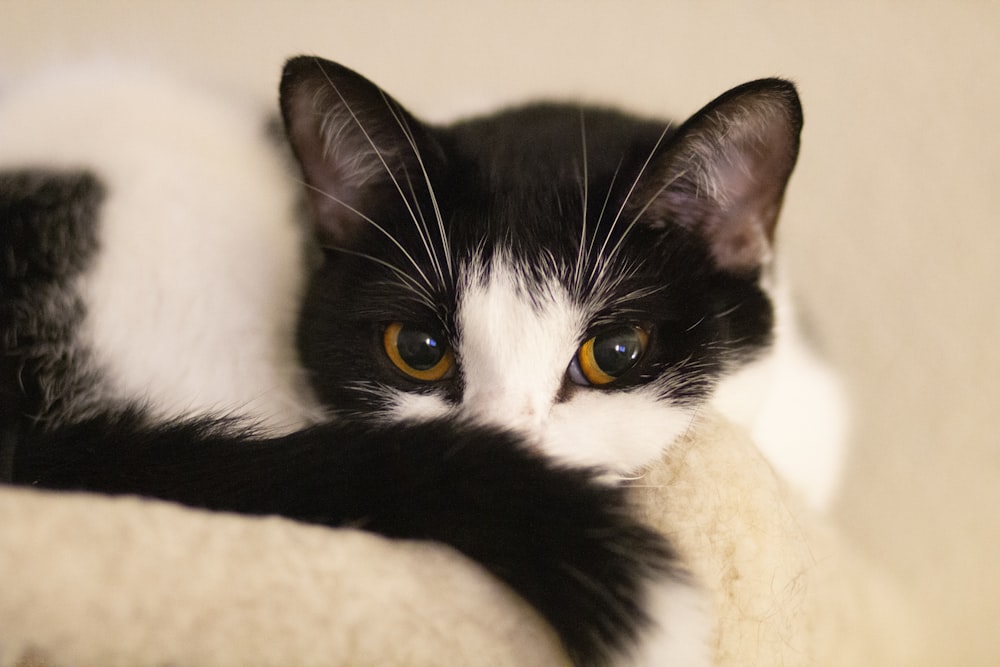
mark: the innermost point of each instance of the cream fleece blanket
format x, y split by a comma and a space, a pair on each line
88, 580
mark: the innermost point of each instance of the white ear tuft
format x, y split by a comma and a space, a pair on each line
724, 172
356, 145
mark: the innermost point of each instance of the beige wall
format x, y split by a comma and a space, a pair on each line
892, 225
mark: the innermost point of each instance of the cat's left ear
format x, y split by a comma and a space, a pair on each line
360, 150
724, 171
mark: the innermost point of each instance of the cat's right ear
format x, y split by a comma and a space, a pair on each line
724, 172
359, 150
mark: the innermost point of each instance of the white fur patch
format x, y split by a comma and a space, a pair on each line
405, 405
517, 338
194, 295
622, 432
794, 406
682, 631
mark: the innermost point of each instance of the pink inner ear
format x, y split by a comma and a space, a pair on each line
741, 223
357, 147
727, 168
327, 147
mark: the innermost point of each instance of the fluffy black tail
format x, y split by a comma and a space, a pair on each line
563, 541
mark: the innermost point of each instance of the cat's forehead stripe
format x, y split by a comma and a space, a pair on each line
517, 334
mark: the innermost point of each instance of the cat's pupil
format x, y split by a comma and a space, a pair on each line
421, 350
617, 351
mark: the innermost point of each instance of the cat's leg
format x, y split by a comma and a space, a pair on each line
564, 541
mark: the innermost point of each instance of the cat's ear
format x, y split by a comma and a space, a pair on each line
724, 171
358, 148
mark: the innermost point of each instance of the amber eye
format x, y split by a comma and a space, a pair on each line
609, 355
418, 353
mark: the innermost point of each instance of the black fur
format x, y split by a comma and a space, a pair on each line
540, 528
48, 236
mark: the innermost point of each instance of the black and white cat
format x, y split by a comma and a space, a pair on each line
509, 314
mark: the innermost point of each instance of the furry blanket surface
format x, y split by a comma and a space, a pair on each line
89, 580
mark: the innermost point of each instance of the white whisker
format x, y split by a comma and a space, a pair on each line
646, 206
586, 188
728, 311
595, 262
422, 230
408, 281
628, 196
696, 324
378, 153
374, 224
408, 133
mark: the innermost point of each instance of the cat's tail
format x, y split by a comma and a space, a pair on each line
560, 538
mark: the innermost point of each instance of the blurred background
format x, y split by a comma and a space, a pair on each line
891, 227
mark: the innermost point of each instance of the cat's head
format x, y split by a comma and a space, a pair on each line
578, 274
